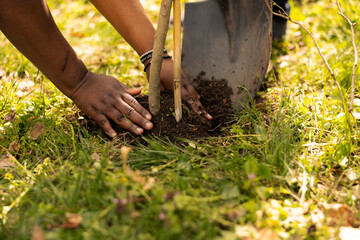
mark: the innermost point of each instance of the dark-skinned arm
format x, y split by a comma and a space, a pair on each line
130, 20
28, 24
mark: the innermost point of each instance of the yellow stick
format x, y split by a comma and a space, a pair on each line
177, 60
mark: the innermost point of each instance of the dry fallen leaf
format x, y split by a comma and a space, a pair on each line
36, 131
14, 146
37, 233
6, 161
75, 32
95, 157
73, 220
337, 214
11, 116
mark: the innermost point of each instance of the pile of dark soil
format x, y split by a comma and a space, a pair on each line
215, 97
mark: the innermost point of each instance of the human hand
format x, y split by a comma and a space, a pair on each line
188, 92
103, 97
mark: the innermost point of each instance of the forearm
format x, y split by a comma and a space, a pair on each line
130, 20
28, 24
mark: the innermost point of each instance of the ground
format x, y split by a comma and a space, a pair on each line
286, 167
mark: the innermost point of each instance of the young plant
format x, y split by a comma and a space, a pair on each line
155, 68
158, 51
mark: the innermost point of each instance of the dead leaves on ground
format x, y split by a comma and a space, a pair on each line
36, 131
136, 176
340, 217
333, 215
14, 146
7, 161
73, 221
37, 233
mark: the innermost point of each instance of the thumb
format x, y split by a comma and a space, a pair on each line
133, 91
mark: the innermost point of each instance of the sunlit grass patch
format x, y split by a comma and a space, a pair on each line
289, 167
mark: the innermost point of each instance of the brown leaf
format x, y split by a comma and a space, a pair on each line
95, 157
337, 214
37, 233
11, 116
73, 220
74, 31
14, 146
36, 131
6, 161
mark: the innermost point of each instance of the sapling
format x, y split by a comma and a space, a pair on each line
158, 52
155, 68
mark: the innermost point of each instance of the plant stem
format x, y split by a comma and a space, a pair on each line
352, 91
284, 15
158, 52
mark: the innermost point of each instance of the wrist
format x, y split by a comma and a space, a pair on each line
68, 78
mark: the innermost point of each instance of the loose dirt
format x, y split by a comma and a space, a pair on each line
215, 97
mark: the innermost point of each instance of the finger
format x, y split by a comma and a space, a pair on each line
132, 102
189, 88
131, 114
120, 119
105, 125
133, 91
196, 106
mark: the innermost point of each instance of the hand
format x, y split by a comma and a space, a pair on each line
103, 97
188, 93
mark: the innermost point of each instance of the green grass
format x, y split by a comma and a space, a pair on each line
286, 157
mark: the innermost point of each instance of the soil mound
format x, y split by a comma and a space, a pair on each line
215, 97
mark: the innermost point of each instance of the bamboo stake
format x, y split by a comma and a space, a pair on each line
158, 52
177, 60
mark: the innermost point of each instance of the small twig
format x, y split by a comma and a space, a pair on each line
352, 91
284, 15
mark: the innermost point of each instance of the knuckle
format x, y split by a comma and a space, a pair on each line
120, 117
133, 101
130, 111
103, 121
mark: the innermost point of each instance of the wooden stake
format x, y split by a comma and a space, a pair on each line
177, 60
158, 52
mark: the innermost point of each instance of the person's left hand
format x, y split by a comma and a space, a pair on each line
188, 92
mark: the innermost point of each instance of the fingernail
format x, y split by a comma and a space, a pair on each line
148, 116
112, 134
139, 130
148, 126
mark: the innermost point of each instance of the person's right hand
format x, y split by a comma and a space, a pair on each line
103, 97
